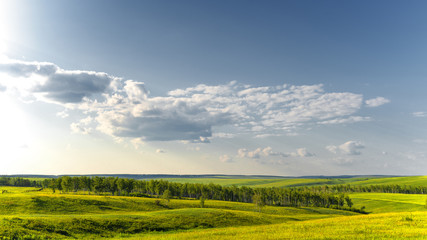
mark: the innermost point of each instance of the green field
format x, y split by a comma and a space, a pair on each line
43, 214
31, 213
297, 182
390, 202
287, 182
378, 226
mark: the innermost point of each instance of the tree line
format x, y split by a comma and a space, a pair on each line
347, 188
19, 182
329, 196
293, 197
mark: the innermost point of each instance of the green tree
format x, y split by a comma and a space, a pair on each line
258, 200
167, 196
67, 183
52, 184
348, 201
202, 202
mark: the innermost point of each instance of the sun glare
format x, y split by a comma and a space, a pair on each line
7, 25
3, 27
14, 132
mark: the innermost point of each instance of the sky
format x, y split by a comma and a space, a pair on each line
289, 88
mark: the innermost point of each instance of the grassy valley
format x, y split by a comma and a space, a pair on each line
36, 213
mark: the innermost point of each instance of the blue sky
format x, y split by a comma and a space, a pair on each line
194, 87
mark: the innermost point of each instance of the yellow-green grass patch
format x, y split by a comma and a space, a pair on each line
389, 202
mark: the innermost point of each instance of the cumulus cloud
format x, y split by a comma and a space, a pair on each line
375, 102
347, 148
225, 159
51, 83
302, 152
189, 114
125, 109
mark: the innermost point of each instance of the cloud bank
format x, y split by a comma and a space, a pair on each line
124, 108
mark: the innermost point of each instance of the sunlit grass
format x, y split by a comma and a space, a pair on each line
389, 202
32, 213
27, 213
378, 226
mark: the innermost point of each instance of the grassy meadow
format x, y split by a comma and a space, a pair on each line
27, 213
34, 213
377, 226
298, 182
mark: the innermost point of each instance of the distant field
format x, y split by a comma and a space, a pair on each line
389, 202
260, 181
410, 181
295, 182
290, 182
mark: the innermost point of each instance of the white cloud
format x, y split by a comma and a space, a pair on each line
419, 114
266, 135
351, 119
348, 148
225, 159
135, 91
375, 102
191, 113
268, 152
50, 83
62, 114
83, 126
332, 148
302, 152
124, 108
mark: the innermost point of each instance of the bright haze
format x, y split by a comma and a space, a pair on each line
203, 87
